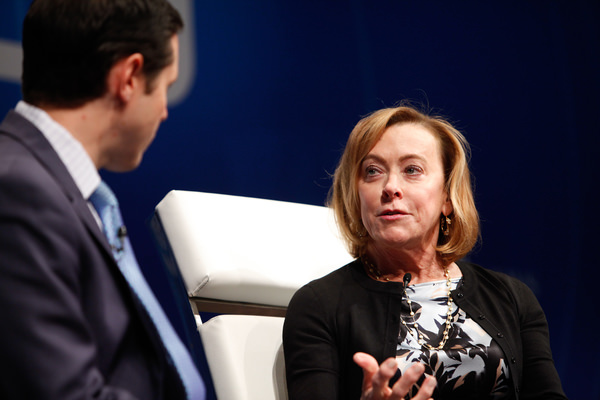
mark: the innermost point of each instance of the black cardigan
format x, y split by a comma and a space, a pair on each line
331, 318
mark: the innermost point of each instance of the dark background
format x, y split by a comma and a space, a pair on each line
278, 85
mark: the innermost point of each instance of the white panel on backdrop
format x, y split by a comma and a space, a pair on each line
11, 55
187, 53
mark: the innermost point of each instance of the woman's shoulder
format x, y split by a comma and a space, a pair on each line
327, 289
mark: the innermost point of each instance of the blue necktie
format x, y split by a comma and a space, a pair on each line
105, 203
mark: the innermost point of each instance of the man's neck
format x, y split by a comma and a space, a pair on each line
89, 124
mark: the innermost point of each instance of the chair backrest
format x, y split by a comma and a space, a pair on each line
245, 355
242, 255
246, 251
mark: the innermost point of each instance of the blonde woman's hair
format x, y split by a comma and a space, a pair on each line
343, 195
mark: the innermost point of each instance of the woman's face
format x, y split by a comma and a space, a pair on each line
401, 189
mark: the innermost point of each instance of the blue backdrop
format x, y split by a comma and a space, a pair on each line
272, 89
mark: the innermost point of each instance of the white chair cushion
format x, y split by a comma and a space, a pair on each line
245, 356
247, 249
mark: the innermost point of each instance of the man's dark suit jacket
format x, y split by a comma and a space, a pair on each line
71, 327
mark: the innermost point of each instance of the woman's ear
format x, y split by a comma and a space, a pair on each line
125, 77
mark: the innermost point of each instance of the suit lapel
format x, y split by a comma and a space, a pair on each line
23, 131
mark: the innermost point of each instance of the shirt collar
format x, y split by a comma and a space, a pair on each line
69, 150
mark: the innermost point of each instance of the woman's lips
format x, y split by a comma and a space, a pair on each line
391, 215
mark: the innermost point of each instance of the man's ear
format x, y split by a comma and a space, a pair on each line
125, 77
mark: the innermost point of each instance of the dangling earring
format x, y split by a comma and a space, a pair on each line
445, 225
361, 232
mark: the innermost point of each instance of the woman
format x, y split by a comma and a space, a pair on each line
406, 319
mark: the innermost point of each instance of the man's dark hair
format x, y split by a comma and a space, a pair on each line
69, 46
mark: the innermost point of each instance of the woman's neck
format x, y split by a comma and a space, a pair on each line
393, 264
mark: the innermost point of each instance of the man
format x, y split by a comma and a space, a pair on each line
95, 79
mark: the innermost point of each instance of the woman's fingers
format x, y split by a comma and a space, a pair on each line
369, 367
367, 362
426, 389
409, 378
376, 379
381, 379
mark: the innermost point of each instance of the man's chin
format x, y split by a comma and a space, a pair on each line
124, 165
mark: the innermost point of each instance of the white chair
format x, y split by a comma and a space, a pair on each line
246, 257
245, 356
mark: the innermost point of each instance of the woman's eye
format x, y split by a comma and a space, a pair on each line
413, 170
371, 171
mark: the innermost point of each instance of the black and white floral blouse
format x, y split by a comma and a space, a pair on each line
470, 365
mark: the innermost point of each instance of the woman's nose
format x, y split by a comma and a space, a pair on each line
392, 187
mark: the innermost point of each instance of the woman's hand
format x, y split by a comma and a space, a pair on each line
376, 379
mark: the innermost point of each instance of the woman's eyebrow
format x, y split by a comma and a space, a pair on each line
403, 158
